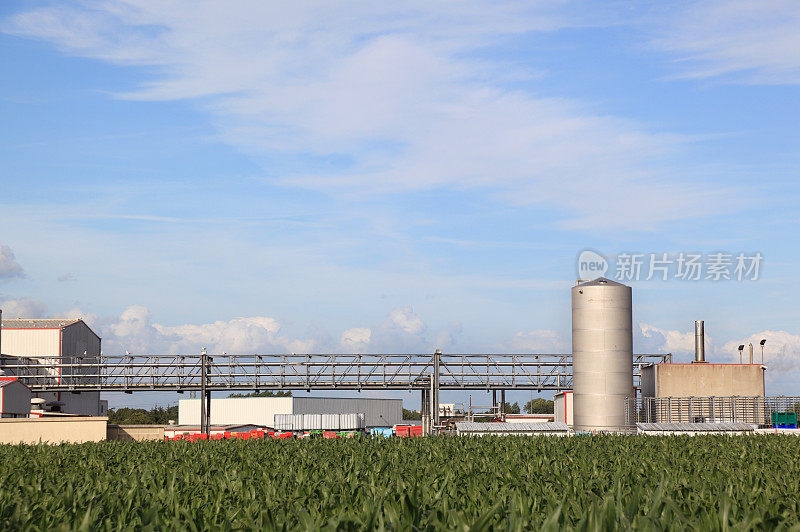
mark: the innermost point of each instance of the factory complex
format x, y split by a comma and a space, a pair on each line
52, 372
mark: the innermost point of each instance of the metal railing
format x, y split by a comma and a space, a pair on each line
539, 372
754, 410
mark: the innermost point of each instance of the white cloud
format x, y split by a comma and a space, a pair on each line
781, 352
355, 340
23, 307
754, 41
9, 267
406, 93
539, 341
650, 339
136, 332
90, 319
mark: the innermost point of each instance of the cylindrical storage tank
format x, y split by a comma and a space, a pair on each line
602, 354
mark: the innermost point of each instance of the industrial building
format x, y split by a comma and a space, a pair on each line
68, 342
261, 411
563, 406
15, 398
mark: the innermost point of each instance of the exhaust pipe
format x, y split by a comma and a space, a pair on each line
699, 342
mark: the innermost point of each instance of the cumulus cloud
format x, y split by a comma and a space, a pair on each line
88, 318
355, 340
404, 92
135, 331
9, 267
650, 339
23, 307
403, 331
781, 352
739, 40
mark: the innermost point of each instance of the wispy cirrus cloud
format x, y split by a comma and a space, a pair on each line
749, 41
383, 98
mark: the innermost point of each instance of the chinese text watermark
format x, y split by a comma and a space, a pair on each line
683, 266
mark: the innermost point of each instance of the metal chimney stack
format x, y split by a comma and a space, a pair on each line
699, 342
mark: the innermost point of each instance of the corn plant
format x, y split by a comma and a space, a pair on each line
489, 483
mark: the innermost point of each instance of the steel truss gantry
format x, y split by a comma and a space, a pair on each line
128, 373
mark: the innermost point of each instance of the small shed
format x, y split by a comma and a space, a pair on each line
15, 398
472, 428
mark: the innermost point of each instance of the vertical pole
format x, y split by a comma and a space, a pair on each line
424, 411
751, 353
432, 406
203, 356
437, 360
502, 405
494, 403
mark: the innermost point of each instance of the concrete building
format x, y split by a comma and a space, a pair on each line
261, 410
703, 392
703, 380
15, 398
69, 341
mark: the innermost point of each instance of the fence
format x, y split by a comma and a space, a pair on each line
754, 410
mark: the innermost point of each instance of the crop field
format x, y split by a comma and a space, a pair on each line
493, 483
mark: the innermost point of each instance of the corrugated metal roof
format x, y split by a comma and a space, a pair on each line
472, 426
39, 323
695, 427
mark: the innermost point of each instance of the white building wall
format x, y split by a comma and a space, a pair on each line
261, 410
236, 410
32, 343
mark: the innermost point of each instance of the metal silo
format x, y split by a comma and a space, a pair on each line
602, 354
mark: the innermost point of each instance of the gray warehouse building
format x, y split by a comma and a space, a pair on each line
261, 411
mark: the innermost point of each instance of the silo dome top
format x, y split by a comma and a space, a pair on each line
602, 281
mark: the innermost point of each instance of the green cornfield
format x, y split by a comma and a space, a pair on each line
492, 483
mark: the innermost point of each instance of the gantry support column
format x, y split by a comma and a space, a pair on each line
437, 360
424, 410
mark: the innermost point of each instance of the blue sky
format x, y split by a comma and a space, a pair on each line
338, 177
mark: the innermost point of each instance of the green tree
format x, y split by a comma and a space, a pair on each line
539, 406
140, 416
265, 393
411, 414
511, 409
